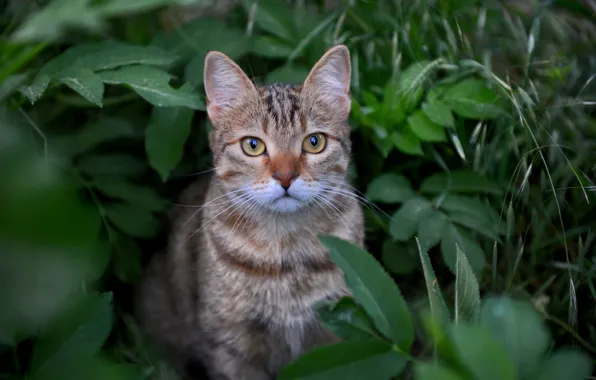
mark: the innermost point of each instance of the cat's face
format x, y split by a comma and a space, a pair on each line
280, 147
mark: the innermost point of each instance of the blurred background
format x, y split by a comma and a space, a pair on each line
473, 125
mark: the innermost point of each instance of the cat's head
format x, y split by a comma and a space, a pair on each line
281, 147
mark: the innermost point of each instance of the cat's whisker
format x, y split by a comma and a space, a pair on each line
328, 202
363, 201
213, 200
244, 213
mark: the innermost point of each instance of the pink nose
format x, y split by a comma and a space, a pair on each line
285, 177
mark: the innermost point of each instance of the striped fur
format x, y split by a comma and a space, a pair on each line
236, 286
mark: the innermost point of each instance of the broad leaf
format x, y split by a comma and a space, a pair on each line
348, 361
143, 197
565, 364
77, 334
438, 307
404, 222
471, 98
480, 352
270, 47
273, 16
453, 236
439, 112
132, 220
86, 83
390, 188
153, 85
520, 329
432, 371
467, 292
397, 258
374, 289
407, 142
430, 228
112, 164
475, 209
460, 181
289, 73
165, 137
347, 320
425, 128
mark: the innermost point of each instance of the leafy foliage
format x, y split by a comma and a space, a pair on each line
473, 143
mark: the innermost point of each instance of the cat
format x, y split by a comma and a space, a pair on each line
243, 267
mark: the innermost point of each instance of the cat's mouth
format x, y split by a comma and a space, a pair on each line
287, 203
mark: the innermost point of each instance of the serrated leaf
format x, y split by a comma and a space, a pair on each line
132, 220
165, 137
152, 84
371, 286
425, 128
438, 307
136, 195
404, 222
349, 361
467, 292
111, 164
453, 235
439, 112
471, 98
126, 260
565, 364
86, 83
520, 329
347, 320
390, 188
481, 353
433, 371
76, 334
270, 47
460, 181
407, 142
396, 257
430, 228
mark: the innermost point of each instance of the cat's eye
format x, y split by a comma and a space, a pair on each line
314, 143
252, 146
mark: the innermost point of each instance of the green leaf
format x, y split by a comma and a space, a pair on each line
288, 73
143, 197
471, 98
390, 188
374, 289
165, 137
111, 164
126, 260
273, 16
520, 329
439, 112
430, 228
348, 361
425, 128
270, 47
487, 219
129, 7
86, 83
565, 364
453, 235
407, 142
404, 222
481, 353
347, 320
152, 84
460, 181
482, 226
76, 334
438, 307
397, 258
433, 371
132, 220
467, 292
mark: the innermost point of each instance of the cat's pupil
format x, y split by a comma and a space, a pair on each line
314, 141
253, 144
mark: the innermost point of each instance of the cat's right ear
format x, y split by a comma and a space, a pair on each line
226, 84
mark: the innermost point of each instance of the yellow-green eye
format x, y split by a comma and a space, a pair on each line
252, 146
314, 143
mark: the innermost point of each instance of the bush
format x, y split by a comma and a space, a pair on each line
474, 148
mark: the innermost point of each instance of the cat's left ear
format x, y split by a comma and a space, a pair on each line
329, 79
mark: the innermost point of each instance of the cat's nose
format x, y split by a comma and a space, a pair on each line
285, 177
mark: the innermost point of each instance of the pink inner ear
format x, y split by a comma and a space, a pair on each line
330, 79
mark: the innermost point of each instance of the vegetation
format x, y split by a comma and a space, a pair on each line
474, 145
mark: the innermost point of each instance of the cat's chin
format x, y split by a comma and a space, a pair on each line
286, 204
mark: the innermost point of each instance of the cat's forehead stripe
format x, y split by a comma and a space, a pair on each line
282, 103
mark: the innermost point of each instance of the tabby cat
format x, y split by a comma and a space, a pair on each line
244, 266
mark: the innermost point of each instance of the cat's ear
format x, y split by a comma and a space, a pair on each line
226, 84
329, 79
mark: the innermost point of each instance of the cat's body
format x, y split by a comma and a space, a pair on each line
237, 285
